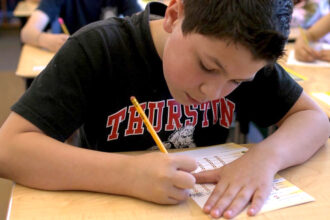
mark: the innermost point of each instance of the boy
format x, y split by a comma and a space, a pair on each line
75, 13
205, 55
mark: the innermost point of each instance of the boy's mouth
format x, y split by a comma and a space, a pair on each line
192, 100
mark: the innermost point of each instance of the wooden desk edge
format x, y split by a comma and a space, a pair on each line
24, 8
26, 64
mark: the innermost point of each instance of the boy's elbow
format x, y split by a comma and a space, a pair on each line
327, 121
324, 123
4, 155
11, 143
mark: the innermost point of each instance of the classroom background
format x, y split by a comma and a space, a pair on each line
12, 86
306, 13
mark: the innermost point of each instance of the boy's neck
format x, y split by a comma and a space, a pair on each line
159, 35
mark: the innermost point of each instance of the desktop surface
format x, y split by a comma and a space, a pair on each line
313, 177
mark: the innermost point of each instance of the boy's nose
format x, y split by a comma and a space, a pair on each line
212, 90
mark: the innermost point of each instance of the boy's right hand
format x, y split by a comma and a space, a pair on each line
161, 178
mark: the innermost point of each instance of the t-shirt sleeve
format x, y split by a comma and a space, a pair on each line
51, 7
268, 97
56, 102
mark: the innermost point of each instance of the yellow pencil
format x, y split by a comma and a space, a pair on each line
63, 26
303, 34
148, 125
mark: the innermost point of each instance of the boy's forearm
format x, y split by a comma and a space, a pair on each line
53, 165
297, 139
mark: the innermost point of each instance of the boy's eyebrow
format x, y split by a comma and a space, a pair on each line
217, 63
225, 71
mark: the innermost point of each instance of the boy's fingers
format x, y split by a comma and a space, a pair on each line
225, 200
209, 176
214, 197
179, 194
258, 200
170, 201
241, 200
185, 163
184, 180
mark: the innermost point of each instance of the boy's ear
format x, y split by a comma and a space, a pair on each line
173, 13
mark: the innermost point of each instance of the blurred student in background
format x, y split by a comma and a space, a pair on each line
307, 12
75, 14
307, 52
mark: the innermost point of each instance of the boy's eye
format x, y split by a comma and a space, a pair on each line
236, 82
204, 68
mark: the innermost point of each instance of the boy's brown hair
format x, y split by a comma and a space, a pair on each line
260, 25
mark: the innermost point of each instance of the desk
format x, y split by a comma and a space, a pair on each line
313, 177
25, 8
318, 79
32, 60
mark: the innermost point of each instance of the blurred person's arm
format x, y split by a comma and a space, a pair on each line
32, 33
319, 29
303, 51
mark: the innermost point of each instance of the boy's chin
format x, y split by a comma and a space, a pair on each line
181, 101
185, 102
184, 99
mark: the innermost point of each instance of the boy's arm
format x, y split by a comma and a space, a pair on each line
302, 131
31, 158
32, 33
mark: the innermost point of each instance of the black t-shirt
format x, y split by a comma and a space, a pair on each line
78, 13
90, 80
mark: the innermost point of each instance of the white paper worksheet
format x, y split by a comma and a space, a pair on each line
283, 194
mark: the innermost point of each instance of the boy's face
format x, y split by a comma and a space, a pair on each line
198, 68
